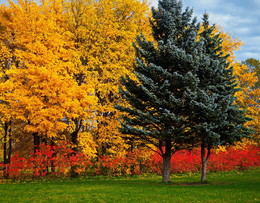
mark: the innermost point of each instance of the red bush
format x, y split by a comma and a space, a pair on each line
58, 161
189, 161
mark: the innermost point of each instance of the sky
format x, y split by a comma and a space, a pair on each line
238, 18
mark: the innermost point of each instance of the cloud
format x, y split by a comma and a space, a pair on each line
208, 3
251, 49
239, 18
243, 55
242, 30
257, 2
153, 3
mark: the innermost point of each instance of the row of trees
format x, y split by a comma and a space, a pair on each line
60, 64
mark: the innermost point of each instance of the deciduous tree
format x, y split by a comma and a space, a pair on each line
103, 32
41, 90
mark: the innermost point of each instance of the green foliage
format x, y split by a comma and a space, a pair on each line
185, 90
165, 72
217, 120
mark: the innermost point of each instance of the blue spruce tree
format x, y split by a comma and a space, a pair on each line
166, 71
217, 120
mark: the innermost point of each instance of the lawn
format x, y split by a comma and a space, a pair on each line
222, 187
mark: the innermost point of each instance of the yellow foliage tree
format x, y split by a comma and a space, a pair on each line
64, 61
248, 97
104, 31
41, 89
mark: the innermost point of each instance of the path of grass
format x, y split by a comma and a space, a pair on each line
222, 187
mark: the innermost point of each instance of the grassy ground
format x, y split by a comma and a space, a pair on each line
222, 187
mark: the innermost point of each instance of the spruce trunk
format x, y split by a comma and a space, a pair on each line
204, 161
166, 169
166, 173
204, 171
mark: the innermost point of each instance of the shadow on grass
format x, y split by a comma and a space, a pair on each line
205, 183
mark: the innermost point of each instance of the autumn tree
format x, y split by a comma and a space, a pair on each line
248, 75
103, 32
5, 119
40, 74
60, 68
254, 66
165, 69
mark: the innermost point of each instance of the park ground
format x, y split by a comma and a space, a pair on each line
235, 186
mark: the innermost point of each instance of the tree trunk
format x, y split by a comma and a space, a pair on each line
10, 144
204, 171
6, 174
36, 148
46, 170
74, 140
166, 173
204, 161
53, 155
36, 142
166, 169
7, 147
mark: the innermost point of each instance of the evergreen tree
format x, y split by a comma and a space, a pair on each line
165, 71
217, 120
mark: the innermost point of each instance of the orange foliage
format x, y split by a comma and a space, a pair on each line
41, 89
104, 32
60, 67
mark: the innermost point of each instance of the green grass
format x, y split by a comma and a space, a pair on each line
222, 187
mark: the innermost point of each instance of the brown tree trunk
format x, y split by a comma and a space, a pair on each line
6, 174
166, 173
166, 169
205, 154
7, 147
53, 155
74, 140
46, 170
36, 147
36, 142
9, 154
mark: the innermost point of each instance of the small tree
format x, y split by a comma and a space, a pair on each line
217, 120
165, 71
249, 80
254, 66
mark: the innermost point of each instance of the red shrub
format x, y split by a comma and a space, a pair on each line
58, 161
189, 161
48, 159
